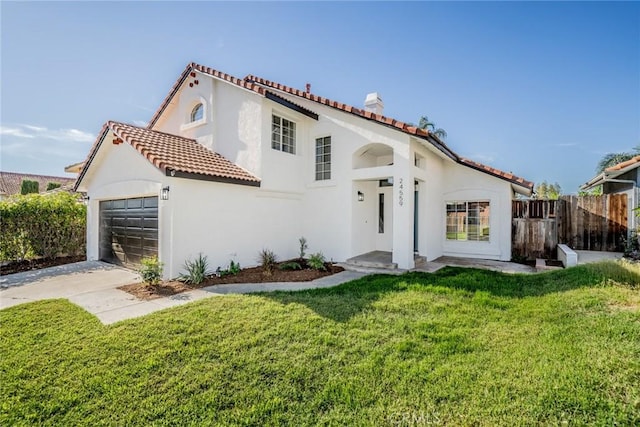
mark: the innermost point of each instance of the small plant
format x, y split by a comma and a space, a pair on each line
267, 259
234, 268
151, 270
303, 246
197, 270
316, 261
292, 265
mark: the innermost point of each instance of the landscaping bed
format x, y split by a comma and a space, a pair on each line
36, 264
245, 275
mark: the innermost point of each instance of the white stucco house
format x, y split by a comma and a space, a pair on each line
229, 166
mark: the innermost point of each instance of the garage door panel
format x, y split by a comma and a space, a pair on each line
128, 230
150, 223
150, 202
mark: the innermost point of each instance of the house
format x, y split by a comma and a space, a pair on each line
228, 166
11, 182
622, 178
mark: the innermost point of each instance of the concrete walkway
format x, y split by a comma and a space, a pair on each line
485, 264
92, 285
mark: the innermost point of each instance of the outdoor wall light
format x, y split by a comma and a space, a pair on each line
360, 196
164, 195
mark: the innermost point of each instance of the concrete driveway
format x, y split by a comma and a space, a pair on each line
80, 282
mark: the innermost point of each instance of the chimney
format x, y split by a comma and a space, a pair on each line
373, 103
308, 87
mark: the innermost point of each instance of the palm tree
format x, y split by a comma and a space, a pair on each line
426, 124
612, 159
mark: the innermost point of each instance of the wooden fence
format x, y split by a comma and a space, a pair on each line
596, 223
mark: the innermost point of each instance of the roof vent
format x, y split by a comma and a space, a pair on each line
373, 103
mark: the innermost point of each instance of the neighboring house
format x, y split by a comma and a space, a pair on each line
11, 182
623, 178
230, 166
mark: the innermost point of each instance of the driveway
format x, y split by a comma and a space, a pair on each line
76, 282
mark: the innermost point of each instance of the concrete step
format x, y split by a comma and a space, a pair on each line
370, 270
371, 264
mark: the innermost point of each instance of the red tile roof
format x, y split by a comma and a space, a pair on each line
174, 155
624, 164
259, 85
497, 172
11, 182
210, 71
404, 127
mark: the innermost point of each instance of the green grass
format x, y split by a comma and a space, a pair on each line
459, 347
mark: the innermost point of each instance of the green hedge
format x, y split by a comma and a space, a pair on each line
37, 225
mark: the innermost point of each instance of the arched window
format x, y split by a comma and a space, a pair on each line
197, 113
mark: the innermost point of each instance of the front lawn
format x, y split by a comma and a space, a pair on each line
461, 347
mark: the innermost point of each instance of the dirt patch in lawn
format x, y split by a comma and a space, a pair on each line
246, 275
37, 264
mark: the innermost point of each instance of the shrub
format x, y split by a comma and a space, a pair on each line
151, 270
29, 187
197, 270
234, 268
39, 225
53, 186
316, 261
303, 246
267, 259
292, 265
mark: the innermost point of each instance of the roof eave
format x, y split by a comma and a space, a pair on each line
212, 178
92, 155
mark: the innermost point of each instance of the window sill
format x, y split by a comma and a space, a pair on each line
193, 125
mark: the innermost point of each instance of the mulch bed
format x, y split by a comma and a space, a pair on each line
36, 264
246, 275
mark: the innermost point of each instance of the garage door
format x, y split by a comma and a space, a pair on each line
128, 230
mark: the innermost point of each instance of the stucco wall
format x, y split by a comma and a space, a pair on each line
230, 222
461, 183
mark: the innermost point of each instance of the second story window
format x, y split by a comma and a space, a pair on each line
283, 135
197, 113
323, 158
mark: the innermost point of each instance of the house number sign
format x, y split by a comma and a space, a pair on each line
401, 192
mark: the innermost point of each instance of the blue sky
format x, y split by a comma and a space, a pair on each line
540, 89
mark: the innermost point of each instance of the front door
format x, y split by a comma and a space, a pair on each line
384, 241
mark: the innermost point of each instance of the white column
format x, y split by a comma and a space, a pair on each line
403, 207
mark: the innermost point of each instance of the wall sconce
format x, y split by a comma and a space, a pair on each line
164, 195
360, 196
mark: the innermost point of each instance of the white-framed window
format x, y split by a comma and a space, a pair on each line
323, 158
197, 113
468, 220
283, 134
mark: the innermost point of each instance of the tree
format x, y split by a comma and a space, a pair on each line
426, 124
53, 185
29, 186
548, 191
612, 159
